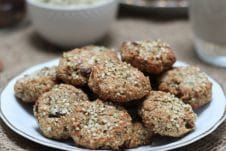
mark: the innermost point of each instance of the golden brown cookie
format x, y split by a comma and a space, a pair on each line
100, 125
139, 136
53, 110
189, 84
75, 66
153, 57
167, 115
118, 82
30, 87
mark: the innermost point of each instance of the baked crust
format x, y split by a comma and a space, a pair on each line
189, 84
75, 66
100, 125
54, 108
167, 115
139, 136
118, 82
30, 87
153, 57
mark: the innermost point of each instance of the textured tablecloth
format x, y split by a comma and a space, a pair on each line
21, 48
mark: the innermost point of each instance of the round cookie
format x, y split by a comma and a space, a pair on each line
75, 66
167, 115
118, 82
153, 57
30, 87
189, 84
139, 136
53, 110
100, 125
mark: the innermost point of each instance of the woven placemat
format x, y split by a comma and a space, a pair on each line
21, 48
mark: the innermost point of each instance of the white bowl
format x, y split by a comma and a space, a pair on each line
70, 26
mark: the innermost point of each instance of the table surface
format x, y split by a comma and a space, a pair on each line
21, 47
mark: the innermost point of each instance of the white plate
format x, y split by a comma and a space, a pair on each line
19, 118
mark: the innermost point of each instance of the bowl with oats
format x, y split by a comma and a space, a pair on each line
71, 23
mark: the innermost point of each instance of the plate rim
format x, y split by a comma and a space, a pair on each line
68, 148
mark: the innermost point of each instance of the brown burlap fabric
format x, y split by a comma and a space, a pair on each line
21, 48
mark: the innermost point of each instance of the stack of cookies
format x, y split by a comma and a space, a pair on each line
90, 94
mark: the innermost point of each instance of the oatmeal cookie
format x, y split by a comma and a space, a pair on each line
118, 82
153, 57
75, 66
167, 115
30, 87
100, 125
139, 136
53, 110
189, 84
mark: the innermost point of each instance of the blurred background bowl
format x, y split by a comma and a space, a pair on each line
72, 25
